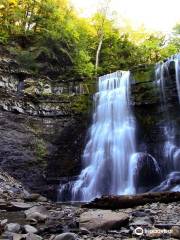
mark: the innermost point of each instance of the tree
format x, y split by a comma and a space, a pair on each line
100, 19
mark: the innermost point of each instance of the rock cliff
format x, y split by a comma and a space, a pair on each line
37, 116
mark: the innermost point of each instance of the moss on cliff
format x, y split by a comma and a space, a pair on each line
40, 150
81, 104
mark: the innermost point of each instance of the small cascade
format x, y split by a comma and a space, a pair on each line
106, 158
144, 172
171, 152
171, 183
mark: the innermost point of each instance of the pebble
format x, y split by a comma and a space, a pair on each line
66, 236
32, 236
13, 227
30, 229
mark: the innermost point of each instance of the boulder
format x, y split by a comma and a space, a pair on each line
36, 214
38, 209
147, 174
103, 219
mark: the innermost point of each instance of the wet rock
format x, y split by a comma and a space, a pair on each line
103, 219
66, 236
147, 172
13, 227
30, 229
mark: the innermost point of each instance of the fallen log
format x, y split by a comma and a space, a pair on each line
129, 201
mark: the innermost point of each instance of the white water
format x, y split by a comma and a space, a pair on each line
177, 69
111, 142
171, 148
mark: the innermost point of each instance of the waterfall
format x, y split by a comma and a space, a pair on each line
106, 157
111, 163
171, 151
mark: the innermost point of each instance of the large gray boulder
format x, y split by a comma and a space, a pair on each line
38, 213
103, 219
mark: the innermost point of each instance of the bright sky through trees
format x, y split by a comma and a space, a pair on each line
160, 15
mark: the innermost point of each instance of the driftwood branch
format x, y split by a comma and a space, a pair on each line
129, 201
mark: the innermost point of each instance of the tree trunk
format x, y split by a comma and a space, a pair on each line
130, 201
98, 52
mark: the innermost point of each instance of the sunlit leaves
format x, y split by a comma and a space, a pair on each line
63, 37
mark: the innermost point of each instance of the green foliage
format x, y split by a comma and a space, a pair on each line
50, 32
27, 60
4, 37
83, 65
80, 104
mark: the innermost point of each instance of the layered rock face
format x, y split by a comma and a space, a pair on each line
42, 127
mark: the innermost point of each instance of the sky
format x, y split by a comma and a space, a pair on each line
158, 15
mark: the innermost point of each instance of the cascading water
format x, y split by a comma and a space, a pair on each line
177, 70
171, 147
111, 145
111, 164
